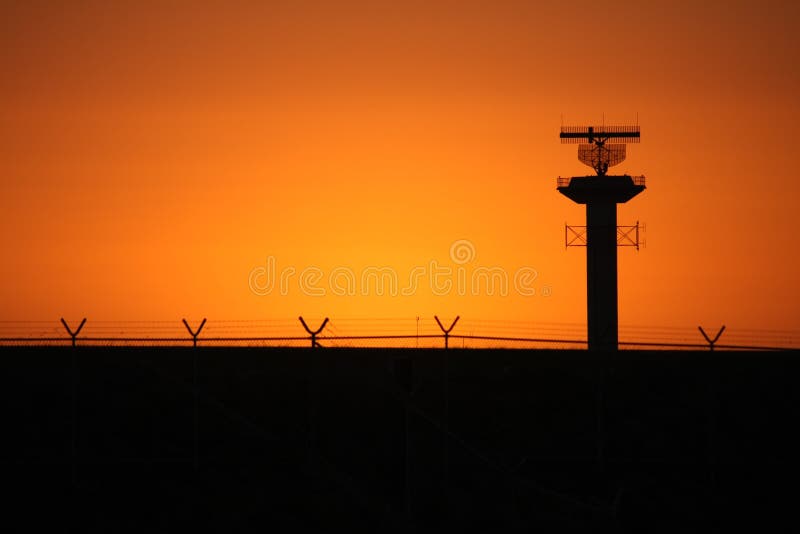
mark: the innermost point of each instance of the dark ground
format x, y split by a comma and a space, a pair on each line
329, 440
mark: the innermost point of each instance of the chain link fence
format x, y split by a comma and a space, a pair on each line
405, 332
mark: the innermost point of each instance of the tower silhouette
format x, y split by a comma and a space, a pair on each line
601, 194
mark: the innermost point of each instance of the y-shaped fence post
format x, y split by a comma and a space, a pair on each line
195, 395
193, 333
74, 334
446, 404
314, 333
74, 430
311, 396
446, 331
711, 341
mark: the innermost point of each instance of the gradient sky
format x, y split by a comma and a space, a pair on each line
152, 154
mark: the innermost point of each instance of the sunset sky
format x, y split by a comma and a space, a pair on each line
153, 154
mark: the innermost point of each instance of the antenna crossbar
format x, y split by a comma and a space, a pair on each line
601, 134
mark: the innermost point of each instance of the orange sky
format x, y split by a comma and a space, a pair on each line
153, 154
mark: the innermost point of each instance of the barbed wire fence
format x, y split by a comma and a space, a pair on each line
322, 333
402, 332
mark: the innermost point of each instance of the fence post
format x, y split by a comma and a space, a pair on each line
311, 396
192, 333
74, 407
314, 333
74, 334
711, 342
195, 395
446, 405
446, 330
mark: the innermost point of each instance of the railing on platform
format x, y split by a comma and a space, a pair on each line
564, 181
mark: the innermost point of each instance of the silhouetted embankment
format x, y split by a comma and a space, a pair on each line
245, 440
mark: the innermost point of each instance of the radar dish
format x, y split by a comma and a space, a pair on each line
601, 156
600, 147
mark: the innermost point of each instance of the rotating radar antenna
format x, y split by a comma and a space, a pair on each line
600, 147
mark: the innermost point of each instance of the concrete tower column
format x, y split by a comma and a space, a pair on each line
601, 274
601, 194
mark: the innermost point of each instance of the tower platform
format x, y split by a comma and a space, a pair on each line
585, 189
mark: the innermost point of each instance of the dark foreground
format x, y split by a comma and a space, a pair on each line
330, 440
